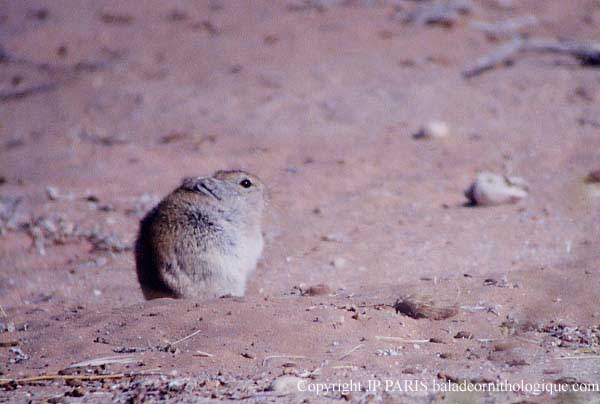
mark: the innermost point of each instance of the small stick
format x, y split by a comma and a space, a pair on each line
578, 357
74, 377
586, 53
503, 55
83, 66
26, 92
351, 351
5, 344
375, 306
187, 337
2, 312
267, 358
204, 354
402, 340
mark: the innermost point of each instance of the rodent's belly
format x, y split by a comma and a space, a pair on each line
228, 272
248, 252
238, 256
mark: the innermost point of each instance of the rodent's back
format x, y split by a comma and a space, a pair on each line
147, 260
181, 244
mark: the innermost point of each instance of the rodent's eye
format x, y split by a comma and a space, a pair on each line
246, 183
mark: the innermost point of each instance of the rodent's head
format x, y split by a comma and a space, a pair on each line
236, 190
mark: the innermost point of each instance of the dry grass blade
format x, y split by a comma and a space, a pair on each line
591, 357
75, 377
186, 337
401, 340
104, 361
350, 352
267, 358
422, 308
203, 354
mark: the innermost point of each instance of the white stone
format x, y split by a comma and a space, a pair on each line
491, 189
339, 262
286, 384
433, 130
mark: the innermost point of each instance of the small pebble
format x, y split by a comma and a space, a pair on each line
7, 327
52, 193
463, 335
339, 263
433, 130
388, 352
285, 384
334, 237
177, 385
76, 392
318, 290
593, 177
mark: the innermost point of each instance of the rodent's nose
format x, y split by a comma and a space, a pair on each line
205, 187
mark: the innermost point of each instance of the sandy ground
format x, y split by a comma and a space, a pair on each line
321, 103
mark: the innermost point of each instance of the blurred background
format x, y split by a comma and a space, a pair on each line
106, 105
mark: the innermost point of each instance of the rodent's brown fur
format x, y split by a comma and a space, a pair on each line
203, 239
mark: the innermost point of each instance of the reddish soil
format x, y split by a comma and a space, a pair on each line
321, 103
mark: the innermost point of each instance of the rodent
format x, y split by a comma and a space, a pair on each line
202, 240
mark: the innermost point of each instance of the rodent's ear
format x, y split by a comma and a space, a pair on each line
189, 182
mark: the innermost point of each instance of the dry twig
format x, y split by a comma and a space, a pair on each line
586, 53
75, 377
402, 340
579, 357
503, 55
26, 92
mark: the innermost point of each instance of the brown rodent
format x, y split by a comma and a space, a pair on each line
202, 240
